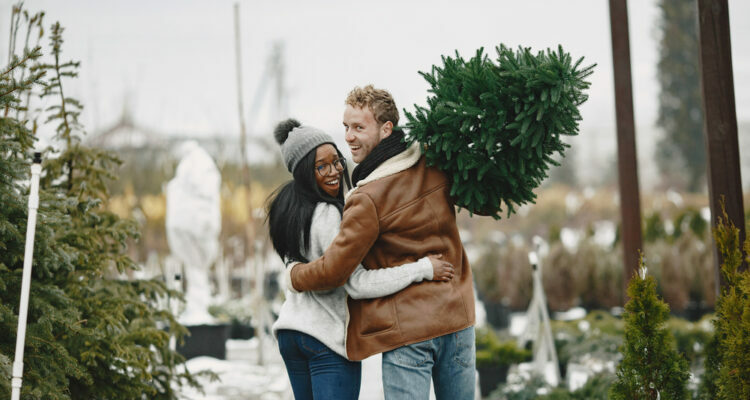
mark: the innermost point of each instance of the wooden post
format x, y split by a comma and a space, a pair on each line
720, 121
627, 163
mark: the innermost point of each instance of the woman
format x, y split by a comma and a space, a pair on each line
304, 217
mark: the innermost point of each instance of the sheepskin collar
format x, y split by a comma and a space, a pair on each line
393, 165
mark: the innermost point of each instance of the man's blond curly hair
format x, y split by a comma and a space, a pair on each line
379, 101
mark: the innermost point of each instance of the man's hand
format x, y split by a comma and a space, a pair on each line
441, 270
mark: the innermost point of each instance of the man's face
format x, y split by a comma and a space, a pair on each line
363, 132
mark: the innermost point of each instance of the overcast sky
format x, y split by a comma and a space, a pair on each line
175, 63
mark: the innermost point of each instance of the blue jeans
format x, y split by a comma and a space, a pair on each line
449, 360
317, 372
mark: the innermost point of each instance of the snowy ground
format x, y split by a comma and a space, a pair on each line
240, 375
241, 378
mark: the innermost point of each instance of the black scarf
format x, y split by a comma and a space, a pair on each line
387, 148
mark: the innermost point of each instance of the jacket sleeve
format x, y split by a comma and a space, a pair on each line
364, 283
372, 283
359, 230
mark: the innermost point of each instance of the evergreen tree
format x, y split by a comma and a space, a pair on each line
681, 152
708, 389
92, 333
493, 127
651, 367
729, 370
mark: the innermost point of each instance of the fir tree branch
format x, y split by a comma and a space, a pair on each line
36, 19
16, 62
56, 45
15, 19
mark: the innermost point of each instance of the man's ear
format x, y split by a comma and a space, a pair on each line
386, 129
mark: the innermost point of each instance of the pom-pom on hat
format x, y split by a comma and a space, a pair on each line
297, 140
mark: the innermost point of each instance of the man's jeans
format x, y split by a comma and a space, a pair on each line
449, 360
315, 371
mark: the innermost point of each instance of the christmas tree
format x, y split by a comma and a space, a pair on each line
729, 369
651, 368
493, 127
92, 333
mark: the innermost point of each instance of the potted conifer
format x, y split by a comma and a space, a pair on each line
494, 358
651, 367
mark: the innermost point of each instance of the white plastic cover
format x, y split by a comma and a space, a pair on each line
193, 224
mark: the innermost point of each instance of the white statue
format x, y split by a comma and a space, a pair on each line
193, 223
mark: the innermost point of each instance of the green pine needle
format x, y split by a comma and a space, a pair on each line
493, 125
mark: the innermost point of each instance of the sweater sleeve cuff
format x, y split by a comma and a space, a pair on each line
287, 277
425, 268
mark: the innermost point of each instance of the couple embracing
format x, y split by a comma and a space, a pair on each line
380, 270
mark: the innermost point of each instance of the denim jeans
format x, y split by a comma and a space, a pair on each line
315, 371
449, 360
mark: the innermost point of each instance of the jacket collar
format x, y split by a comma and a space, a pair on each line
393, 165
387, 148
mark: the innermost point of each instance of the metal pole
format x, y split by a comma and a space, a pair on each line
238, 64
23, 307
250, 226
720, 122
627, 163
260, 310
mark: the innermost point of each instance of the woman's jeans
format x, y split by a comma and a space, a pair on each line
315, 371
449, 360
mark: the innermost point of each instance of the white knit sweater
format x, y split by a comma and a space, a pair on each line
324, 314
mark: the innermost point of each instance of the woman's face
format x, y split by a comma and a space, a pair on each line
327, 175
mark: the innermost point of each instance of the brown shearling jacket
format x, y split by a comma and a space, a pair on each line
400, 213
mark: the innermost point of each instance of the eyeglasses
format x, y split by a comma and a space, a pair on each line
325, 169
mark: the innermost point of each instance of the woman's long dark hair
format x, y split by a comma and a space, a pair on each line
291, 206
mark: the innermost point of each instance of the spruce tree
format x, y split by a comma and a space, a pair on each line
92, 333
493, 127
651, 367
729, 370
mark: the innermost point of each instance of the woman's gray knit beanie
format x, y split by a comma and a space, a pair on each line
297, 140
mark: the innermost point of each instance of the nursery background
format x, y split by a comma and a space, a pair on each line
157, 80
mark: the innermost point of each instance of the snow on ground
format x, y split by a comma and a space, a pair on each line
241, 378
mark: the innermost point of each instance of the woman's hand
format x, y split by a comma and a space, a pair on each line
441, 269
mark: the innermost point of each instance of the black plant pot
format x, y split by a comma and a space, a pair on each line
205, 340
490, 376
239, 330
695, 310
498, 314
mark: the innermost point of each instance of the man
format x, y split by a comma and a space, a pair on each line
399, 211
